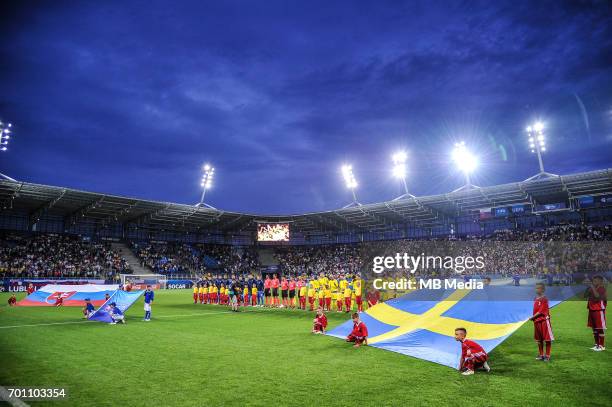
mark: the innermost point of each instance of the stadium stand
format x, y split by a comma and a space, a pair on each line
75, 230
50, 255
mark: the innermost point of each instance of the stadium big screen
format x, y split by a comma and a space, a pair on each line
272, 232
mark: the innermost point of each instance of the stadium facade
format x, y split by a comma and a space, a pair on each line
583, 197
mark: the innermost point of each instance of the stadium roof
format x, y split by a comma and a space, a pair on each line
426, 212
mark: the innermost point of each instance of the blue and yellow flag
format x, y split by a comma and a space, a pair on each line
422, 324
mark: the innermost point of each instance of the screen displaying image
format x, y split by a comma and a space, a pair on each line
273, 232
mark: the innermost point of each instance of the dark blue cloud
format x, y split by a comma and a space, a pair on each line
131, 98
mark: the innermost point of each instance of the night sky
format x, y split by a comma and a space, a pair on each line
132, 98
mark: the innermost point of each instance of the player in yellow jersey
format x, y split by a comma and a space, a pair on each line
347, 298
343, 283
323, 280
302, 294
328, 297
321, 296
339, 297
311, 296
315, 284
215, 293
201, 291
333, 284
245, 296
254, 295
357, 286
195, 293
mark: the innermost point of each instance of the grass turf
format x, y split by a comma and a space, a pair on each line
195, 355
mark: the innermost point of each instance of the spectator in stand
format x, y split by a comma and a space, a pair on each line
62, 256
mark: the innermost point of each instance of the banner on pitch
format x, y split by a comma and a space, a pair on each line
122, 299
422, 323
72, 295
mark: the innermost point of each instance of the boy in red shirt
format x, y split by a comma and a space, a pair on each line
30, 289
359, 334
473, 356
12, 301
59, 301
597, 302
541, 323
320, 322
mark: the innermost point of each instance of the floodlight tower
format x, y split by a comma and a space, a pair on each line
5, 135
208, 172
351, 183
399, 171
537, 144
467, 162
6, 132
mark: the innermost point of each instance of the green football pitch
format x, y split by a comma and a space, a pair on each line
199, 355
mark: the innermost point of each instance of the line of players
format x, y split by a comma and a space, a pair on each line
334, 293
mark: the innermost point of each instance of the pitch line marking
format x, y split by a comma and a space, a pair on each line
80, 322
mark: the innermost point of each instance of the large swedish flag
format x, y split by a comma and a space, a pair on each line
422, 323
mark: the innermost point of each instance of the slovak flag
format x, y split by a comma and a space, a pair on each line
72, 295
52, 299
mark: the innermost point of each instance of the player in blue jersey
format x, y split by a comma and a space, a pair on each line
88, 309
148, 301
116, 314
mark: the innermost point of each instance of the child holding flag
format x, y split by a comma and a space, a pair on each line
359, 334
541, 323
320, 322
473, 356
116, 314
88, 309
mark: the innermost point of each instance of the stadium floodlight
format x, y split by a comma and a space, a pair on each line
466, 162
399, 159
208, 173
351, 183
537, 145
5, 135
